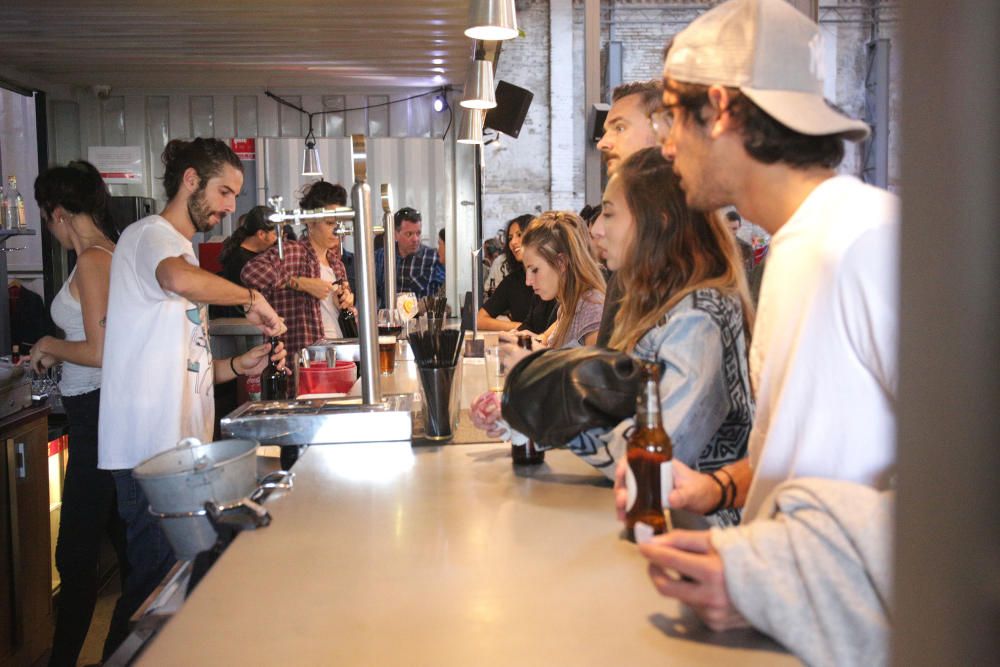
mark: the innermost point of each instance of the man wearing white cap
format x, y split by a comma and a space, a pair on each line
746, 124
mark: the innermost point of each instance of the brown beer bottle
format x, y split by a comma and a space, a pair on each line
649, 475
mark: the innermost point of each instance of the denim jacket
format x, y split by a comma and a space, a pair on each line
705, 398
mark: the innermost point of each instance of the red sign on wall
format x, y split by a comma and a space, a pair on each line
245, 149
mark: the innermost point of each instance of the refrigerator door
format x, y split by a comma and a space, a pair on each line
127, 210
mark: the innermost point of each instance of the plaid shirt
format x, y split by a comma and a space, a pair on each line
269, 275
420, 273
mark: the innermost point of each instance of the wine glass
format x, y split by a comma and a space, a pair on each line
406, 304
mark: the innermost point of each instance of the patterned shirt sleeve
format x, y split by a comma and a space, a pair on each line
437, 277
265, 273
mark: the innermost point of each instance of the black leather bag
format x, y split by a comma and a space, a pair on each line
553, 395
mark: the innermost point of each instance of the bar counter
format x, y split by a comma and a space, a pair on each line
387, 554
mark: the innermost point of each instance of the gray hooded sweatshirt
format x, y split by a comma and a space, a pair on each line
816, 574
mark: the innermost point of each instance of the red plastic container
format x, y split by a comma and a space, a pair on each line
321, 379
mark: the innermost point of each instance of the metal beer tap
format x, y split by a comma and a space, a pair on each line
330, 421
389, 225
356, 221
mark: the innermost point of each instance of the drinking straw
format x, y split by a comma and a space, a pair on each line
458, 346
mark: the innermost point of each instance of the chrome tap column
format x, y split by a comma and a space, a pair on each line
367, 301
389, 237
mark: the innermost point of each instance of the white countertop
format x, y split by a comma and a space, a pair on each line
388, 555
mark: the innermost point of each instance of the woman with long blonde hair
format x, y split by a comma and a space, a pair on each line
558, 264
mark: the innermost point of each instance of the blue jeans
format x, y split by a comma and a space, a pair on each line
149, 555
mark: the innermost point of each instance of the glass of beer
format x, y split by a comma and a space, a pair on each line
496, 373
390, 324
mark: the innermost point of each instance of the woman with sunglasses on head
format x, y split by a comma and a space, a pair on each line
74, 201
309, 287
254, 235
513, 298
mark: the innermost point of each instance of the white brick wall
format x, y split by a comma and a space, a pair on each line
519, 175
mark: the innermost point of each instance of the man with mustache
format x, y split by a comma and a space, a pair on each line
158, 369
626, 130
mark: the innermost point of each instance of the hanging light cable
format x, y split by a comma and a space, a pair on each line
310, 157
492, 20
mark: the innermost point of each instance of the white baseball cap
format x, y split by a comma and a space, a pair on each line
772, 53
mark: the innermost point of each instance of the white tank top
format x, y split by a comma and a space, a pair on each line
68, 316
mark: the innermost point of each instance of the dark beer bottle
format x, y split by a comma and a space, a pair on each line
273, 380
348, 322
649, 475
526, 452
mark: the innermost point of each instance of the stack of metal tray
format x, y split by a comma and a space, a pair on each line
321, 421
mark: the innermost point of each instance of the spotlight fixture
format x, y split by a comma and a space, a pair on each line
310, 156
478, 92
440, 103
470, 127
492, 20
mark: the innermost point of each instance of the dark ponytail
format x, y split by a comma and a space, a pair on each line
254, 221
78, 188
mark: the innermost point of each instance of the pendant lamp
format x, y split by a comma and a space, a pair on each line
478, 92
492, 20
470, 126
310, 157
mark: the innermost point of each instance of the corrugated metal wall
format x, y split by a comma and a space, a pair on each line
151, 121
405, 148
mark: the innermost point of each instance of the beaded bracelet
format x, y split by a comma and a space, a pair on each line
233, 368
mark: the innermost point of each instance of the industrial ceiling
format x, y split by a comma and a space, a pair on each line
351, 45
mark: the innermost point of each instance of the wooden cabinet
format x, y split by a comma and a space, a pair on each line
25, 567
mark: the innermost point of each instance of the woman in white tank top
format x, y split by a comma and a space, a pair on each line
74, 204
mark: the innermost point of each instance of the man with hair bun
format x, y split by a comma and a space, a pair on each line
158, 368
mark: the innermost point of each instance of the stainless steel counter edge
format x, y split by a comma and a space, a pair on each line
393, 555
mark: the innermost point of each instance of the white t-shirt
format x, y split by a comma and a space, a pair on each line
328, 308
823, 355
157, 383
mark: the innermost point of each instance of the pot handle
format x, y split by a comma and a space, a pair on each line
279, 479
245, 513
